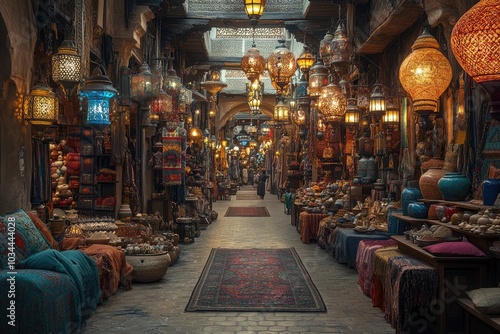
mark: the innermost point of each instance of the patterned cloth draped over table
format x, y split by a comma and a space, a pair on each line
411, 284
380, 263
347, 241
364, 262
172, 157
309, 226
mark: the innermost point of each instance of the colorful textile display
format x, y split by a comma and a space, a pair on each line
380, 262
172, 158
364, 262
411, 284
346, 245
309, 226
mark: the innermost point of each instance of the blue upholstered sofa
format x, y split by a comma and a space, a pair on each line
42, 289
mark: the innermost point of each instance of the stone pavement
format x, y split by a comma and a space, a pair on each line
159, 307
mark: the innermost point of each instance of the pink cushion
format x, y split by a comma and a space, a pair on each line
454, 248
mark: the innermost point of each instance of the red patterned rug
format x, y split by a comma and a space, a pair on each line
247, 211
255, 280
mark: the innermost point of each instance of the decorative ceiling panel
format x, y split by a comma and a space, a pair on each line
237, 48
277, 6
261, 33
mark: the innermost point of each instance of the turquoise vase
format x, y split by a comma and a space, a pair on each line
418, 210
491, 188
454, 186
409, 194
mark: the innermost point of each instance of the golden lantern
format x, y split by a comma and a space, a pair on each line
254, 8
299, 117
40, 107
318, 77
475, 42
351, 117
391, 117
195, 134
332, 103
66, 66
253, 63
280, 112
425, 74
305, 61
377, 102
214, 85
340, 48
324, 48
281, 65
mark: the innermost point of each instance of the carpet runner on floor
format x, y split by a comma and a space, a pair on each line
255, 280
247, 211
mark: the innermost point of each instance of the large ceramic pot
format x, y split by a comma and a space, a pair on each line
429, 183
362, 166
149, 267
371, 169
454, 186
491, 188
409, 194
418, 210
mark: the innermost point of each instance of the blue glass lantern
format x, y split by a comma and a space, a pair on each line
98, 93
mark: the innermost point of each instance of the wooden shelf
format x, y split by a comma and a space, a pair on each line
454, 228
460, 204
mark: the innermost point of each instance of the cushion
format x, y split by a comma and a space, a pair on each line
28, 239
454, 248
486, 300
43, 229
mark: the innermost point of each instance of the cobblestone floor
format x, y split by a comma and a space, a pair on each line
159, 307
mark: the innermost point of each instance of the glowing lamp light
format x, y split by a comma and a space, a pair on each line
475, 42
318, 78
281, 64
66, 66
98, 92
161, 106
145, 86
351, 116
299, 117
281, 112
254, 8
332, 103
377, 102
305, 61
391, 117
195, 134
425, 74
253, 63
40, 107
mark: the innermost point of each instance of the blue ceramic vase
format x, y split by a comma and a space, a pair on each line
454, 186
491, 188
409, 194
418, 210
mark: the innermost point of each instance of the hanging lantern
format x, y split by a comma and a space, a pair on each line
253, 63
363, 97
318, 78
425, 74
40, 107
377, 102
98, 92
214, 85
340, 48
305, 61
145, 85
195, 134
161, 106
172, 81
351, 117
281, 65
280, 112
254, 8
324, 47
265, 128
332, 103
299, 117
475, 42
66, 66
391, 117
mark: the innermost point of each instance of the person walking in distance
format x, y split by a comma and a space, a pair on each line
261, 186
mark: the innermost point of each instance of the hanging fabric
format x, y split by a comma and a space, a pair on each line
40, 175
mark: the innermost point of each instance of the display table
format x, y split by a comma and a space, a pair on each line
364, 262
296, 210
346, 244
380, 264
309, 226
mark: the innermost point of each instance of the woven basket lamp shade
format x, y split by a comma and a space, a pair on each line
425, 74
475, 42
